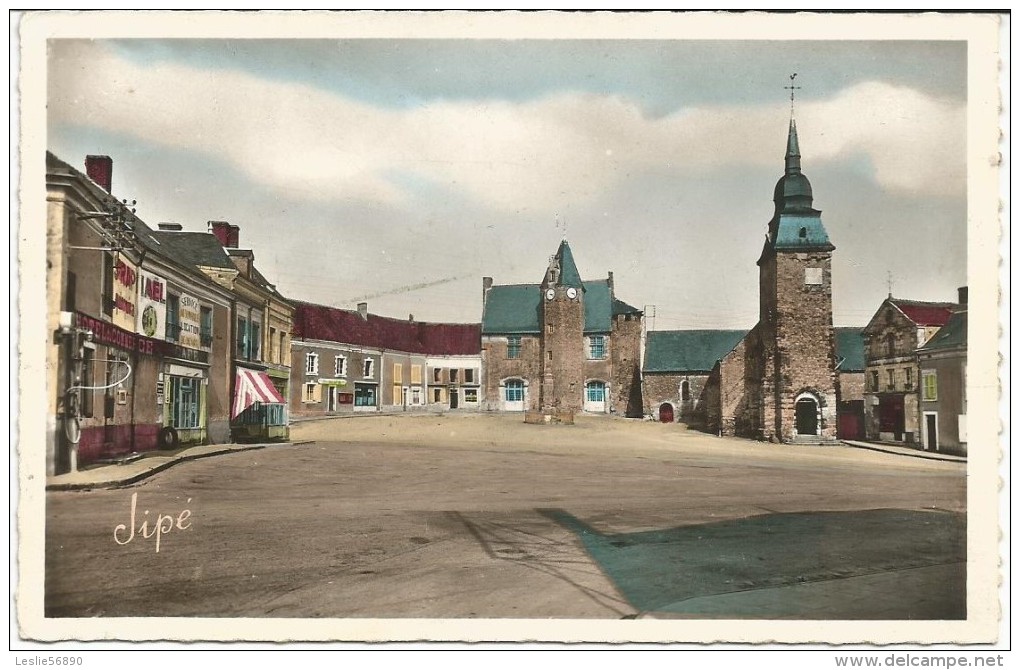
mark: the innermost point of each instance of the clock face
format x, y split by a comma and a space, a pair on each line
571, 293
550, 294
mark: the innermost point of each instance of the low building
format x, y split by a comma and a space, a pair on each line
850, 369
354, 361
891, 339
943, 364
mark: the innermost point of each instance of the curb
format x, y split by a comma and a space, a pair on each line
124, 481
926, 456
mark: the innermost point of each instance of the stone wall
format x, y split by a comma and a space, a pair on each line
625, 353
563, 353
496, 367
664, 387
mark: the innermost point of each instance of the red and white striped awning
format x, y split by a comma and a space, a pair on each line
251, 387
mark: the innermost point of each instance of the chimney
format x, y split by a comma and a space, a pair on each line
363, 310
221, 229
486, 285
175, 227
610, 282
962, 295
233, 236
100, 170
410, 317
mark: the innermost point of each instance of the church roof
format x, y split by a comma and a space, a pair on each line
951, 336
514, 309
796, 225
688, 350
850, 349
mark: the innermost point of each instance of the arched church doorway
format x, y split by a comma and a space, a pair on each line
666, 413
806, 420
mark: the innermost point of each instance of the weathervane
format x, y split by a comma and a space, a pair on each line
792, 88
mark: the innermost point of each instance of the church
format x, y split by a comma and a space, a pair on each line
562, 345
783, 380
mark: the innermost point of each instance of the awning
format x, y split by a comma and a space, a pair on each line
252, 386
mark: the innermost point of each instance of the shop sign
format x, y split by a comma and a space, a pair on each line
125, 278
151, 305
190, 316
104, 332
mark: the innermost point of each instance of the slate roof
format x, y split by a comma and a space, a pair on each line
850, 349
332, 324
195, 248
788, 232
513, 309
569, 276
688, 350
951, 336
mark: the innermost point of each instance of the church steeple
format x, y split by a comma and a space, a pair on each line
792, 150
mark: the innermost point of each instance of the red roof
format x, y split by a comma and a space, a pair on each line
318, 322
926, 313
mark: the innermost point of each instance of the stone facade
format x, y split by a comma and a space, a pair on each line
665, 388
563, 345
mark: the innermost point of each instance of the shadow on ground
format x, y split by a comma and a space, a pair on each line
869, 564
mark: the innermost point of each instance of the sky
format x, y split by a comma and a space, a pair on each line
402, 171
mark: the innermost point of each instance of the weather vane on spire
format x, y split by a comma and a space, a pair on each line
792, 90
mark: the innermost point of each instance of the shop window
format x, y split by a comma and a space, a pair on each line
364, 396
513, 346
311, 363
471, 395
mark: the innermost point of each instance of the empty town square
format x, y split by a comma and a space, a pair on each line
480, 515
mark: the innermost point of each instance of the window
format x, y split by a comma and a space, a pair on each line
469, 376
812, 276
908, 375
513, 346
596, 391
205, 333
255, 342
311, 363
891, 381
685, 391
874, 380
184, 397
454, 374
929, 385
364, 395
340, 366
437, 395
276, 414
597, 347
437, 375
415, 395
242, 335
398, 373
284, 349
471, 395
369, 369
310, 392
274, 350
173, 319
416, 374
514, 390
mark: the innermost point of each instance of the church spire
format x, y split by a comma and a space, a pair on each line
792, 150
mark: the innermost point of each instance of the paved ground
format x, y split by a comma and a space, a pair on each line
483, 516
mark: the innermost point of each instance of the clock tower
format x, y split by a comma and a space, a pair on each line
561, 318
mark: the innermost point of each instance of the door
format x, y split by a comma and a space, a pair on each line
595, 397
513, 395
666, 413
807, 417
454, 398
931, 431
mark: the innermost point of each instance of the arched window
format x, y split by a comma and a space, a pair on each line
685, 391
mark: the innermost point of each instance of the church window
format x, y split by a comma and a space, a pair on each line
514, 390
311, 363
513, 346
813, 276
597, 347
685, 390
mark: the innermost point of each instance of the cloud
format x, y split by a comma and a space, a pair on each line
566, 147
